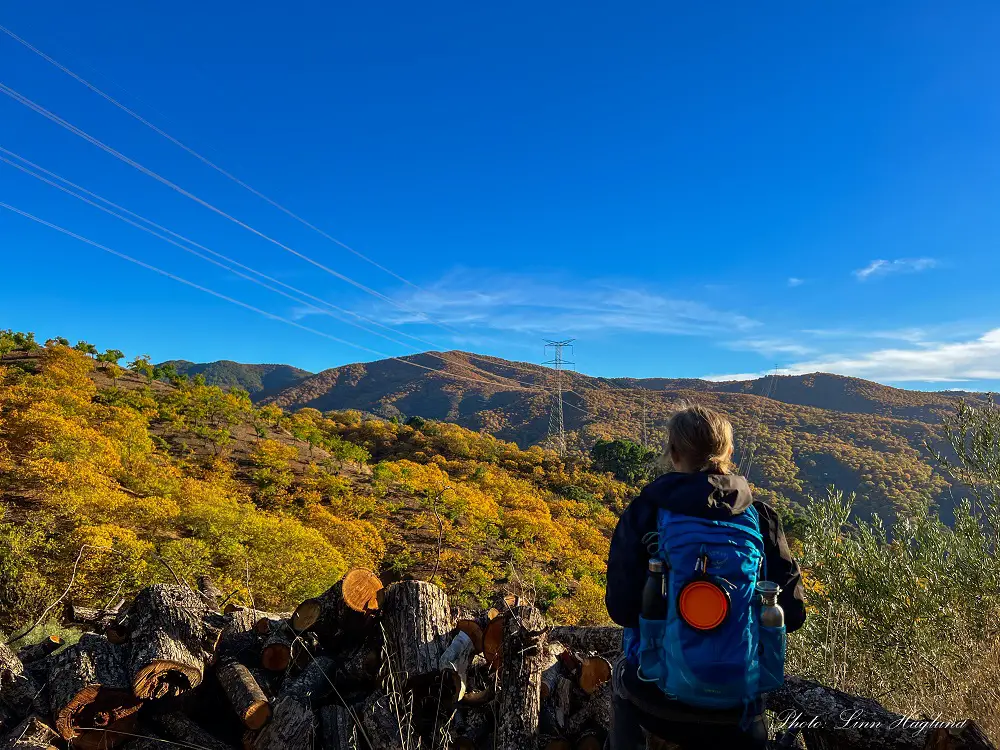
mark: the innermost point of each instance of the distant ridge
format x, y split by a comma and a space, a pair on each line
260, 381
813, 431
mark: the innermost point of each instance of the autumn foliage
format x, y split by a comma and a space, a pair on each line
154, 475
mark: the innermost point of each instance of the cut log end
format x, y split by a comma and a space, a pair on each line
162, 679
257, 715
360, 590
306, 614
594, 672
94, 707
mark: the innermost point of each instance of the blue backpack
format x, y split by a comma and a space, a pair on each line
725, 662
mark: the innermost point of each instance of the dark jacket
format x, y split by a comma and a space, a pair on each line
712, 496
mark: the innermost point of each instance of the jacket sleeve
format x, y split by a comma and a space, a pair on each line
781, 568
628, 562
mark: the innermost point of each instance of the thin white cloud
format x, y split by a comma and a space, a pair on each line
902, 265
771, 346
794, 281
483, 300
975, 359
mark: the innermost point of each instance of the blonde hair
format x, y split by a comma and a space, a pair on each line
703, 437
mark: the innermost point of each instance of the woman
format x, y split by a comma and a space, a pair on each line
703, 483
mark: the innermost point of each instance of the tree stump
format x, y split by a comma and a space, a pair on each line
347, 605
292, 727
245, 695
89, 686
417, 619
169, 638
521, 679
30, 734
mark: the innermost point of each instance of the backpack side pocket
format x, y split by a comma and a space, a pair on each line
652, 667
772, 658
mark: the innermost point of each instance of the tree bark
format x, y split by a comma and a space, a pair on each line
848, 722
169, 638
293, 727
245, 695
556, 709
30, 734
359, 667
474, 630
379, 721
521, 679
313, 684
18, 690
345, 606
596, 712
417, 620
211, 593
178, 727
474, 729
603, 640
89, 686
239, 640
454, 666
96, 618
552, 668
37, 651
339, 729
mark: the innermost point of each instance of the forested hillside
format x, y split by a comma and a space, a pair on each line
805, 432
154, 472
112, 478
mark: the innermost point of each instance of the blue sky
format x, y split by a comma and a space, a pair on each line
699, 189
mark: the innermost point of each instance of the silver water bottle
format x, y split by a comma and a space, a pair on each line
771, 613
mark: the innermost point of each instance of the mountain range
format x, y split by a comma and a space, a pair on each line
796, 435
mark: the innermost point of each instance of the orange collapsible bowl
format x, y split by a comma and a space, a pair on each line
703, 605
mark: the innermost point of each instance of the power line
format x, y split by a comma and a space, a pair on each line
236, 263
245, 305
21, 99
557, 427
153, 224
198, 156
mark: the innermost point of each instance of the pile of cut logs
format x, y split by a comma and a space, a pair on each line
361, 666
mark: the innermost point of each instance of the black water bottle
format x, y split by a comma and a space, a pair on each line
654, 600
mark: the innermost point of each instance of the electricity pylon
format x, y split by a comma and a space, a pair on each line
557, 428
